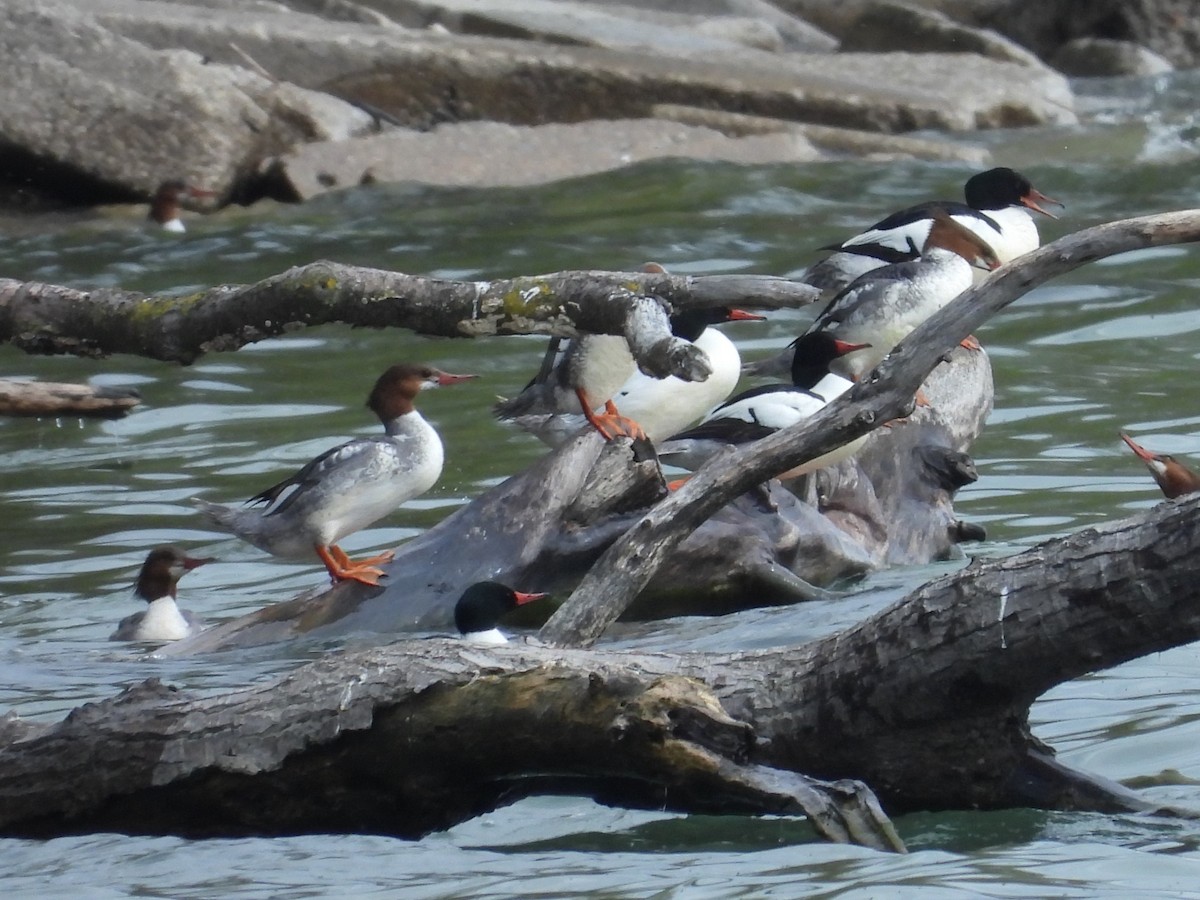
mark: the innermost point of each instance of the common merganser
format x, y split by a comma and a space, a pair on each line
997, 209
166, 203
761, 411
882, 307
1173, 477
162, 620
662, 406
584, 377
479, 610
349, 486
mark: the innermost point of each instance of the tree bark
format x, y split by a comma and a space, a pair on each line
48, 398
419, 735
623, 571
45, 318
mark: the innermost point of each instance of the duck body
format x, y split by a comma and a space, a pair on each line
881, 308
162, 620
349, 487
761, 411
661, 406
997, 210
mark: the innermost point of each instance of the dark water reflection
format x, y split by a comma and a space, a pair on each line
1111, 347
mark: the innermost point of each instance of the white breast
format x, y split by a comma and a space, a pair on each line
162, 621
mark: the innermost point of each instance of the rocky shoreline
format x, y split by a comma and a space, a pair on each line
103, 100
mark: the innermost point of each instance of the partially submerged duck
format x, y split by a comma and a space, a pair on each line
157, 584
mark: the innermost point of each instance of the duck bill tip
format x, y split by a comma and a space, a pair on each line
523, 598
447, 378
741, 315
1141, 452
1034, 200
192, 562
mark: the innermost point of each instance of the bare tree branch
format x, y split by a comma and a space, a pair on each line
625, 568
45, 318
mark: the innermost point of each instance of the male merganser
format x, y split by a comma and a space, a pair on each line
882, 307
350, 486
166, 203
480, 608
583, 377
162, 620
997, 206
761, 411
1172, 476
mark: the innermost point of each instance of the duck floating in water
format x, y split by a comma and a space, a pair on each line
351, 486
1173, 477
167, 202
479, 610
157, 584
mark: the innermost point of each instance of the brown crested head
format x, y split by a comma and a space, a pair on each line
1173, 477
394, 390
950, 235
169, 196
161, 571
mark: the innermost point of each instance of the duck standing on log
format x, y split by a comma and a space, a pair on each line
350, 486
882, 307
662, 406
997, 210
1173, 477
157, 584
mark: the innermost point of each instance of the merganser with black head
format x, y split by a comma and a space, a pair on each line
1173, 477
762, 411
350, 486
998, 208
478, 612
157, 584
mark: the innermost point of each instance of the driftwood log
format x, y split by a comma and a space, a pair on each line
52, 398
927, 701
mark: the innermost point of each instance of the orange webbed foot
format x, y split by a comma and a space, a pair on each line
677, 483
970, 342
342, 568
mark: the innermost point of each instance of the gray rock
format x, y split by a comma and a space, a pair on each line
1099, 57
1171, 28
493, 153
108, 118
885, 25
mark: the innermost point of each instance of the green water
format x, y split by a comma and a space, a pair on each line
1113, 346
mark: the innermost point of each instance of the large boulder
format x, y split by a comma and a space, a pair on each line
88, 115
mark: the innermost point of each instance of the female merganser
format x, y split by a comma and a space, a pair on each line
583, 377
883, 306
166, 203
350, 486
162, 620
761, 411
1172, 476
997, 206
480, 608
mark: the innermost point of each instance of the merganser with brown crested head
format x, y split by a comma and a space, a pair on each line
157, 584
350, 486
478, 611
882, 307
762, 411
998, 208
166, 203
1173, 477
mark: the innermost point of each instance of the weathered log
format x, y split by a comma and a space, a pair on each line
625, 568
50, 398
926, 701
45, 318
543, 529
